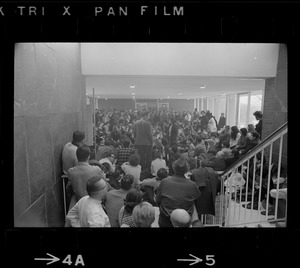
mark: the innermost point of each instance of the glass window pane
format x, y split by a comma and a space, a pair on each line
242, 115
255, 105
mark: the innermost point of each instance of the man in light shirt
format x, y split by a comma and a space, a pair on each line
69, 158
88, 211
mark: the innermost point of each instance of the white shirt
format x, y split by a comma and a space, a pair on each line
112, 166
212, 125
134, 171
234, 142
88, 212
156, 164
69, 158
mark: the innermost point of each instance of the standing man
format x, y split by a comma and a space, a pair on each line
258, 127
69, 158
173, 131
222, 121
142, 132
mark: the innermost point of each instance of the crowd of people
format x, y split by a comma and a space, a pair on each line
147, 159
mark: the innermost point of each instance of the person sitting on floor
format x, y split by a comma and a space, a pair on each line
214, 161
157, 163
133, 198
143, 215
149, 186
115, 199
133, 167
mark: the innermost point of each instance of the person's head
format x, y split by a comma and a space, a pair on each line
254, 135
134, 160
211, 153
225, 144
133, 197
258, 115
161, 174
78, 137
227, 128
145, 114
96, 187
198, 139
180, 166
214, 135
110, 156
222, 115
143, 215
250, 127
126, 181
174, 148
202, 113
126, 143
244, 131
157, 154
83, 153
180, 218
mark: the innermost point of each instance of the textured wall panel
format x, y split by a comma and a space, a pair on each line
35, 216
54, 205
48, 95
21, 181
26, 79
40, 155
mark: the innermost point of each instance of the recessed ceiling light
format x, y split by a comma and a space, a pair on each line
255, 58
203, 86
105, 98
132, 86
168, 97
179, 93
132, 93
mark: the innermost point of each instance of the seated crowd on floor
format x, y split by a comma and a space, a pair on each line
147, 159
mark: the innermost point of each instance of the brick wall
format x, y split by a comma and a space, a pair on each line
275, 103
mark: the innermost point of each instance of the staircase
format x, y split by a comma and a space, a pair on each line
239, 203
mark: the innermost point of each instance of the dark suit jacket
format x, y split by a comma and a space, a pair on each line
205, 204
142, 132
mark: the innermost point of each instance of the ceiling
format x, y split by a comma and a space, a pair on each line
176, 70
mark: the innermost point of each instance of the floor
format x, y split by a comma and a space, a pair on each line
239, 216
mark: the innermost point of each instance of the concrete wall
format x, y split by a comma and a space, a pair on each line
48, 107
275, 112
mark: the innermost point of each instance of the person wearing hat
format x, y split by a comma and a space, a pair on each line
88, 211
176, 192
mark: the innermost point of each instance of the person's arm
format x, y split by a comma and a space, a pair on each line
73, 216
158, 194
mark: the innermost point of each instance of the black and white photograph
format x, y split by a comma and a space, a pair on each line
200, 130
149, 133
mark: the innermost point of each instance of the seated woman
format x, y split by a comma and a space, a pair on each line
235, 136
133, 198
143, 215
133, 167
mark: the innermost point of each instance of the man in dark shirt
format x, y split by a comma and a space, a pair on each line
142, 132
176, 192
